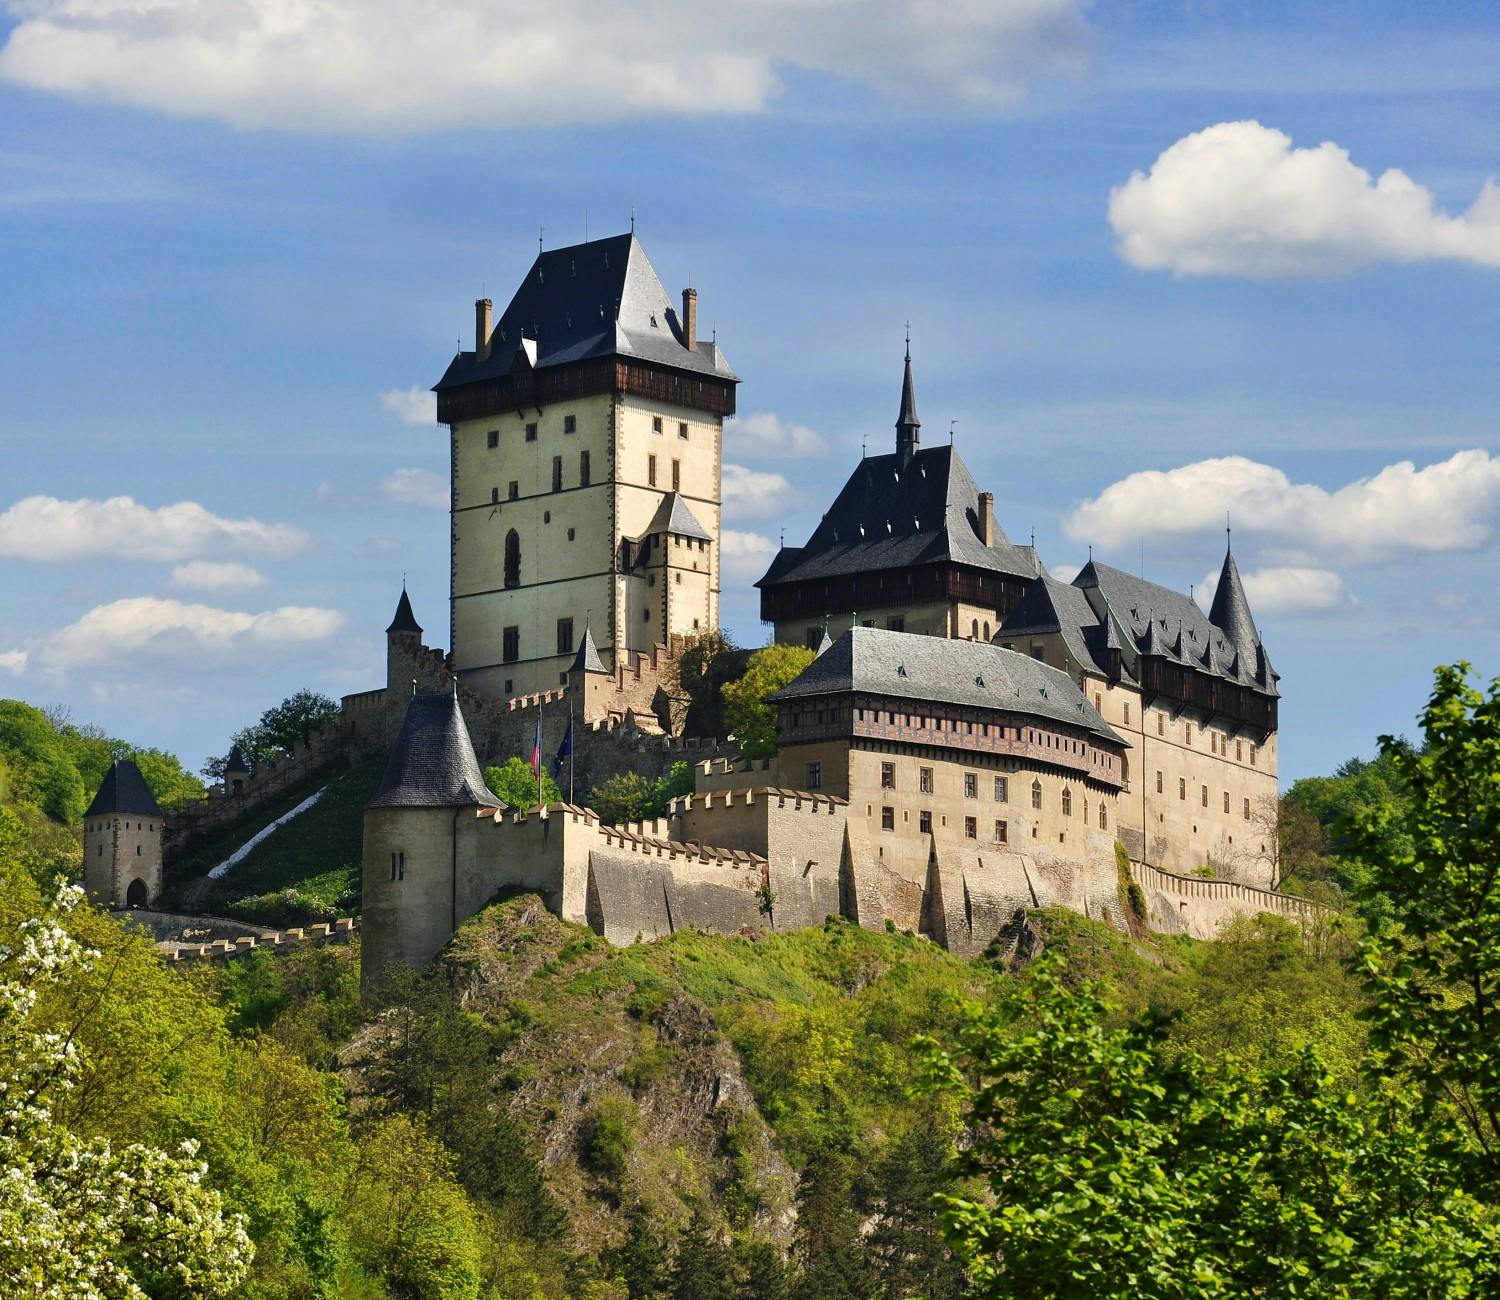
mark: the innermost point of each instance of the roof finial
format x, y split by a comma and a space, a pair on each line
541, 233
1091, 552
908, 340
1228, 533
951, 423
632, 218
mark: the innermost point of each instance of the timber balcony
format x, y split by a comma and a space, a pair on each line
524, 388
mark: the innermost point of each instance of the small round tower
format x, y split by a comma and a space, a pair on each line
403, 643
122, 833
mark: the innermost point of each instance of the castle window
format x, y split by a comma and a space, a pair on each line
494, 496
645, 616
924, 780
1037, 652
510, 645
924, 821
571, 534
531, 432
570, 424
815, 776
546, 516
676, 475
1036, 795
492, 439
971, 785
1161, 724
887, 776
1127, 714
512, 491
974, 630
510, 685
1103, 817
1002, 790
137, 850
583, 468
557, 473
986, 630
679, 579
398, 865
656, 424
651, 467
682, 428
1239, 751
971, 828
1226, 801
1252, 755
887, 818
1187, 733
1067, 802
1182, 787
1098, 702
1205, 796
512, 558
1158, 781
1247, 809
565, 636
896, 623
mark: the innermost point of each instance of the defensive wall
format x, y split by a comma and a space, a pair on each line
1201, 907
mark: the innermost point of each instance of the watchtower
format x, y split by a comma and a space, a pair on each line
122, 833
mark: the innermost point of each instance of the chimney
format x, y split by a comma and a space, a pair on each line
690, 319
482, 309
987, 518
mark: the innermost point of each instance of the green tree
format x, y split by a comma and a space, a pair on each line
631, 797
280, 727
640, 1261
1105, 1165
905, 1242
702, 1269
703, 665
35, 766
835, 1264
515, 782
1434, 967
748, 714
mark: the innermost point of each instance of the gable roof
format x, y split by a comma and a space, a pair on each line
433, 764
890, 516
598, 299
1052, 606
974, 674
123, 790
673, 516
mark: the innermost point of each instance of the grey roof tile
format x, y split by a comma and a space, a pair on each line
587, 659
433, 764
123, 790
405, 620
673, 516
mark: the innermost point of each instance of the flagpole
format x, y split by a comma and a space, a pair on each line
572, 745
537, 749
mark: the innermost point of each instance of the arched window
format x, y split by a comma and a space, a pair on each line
974, 630
1036, 795
1067, 802
986, 630
1103, 817
512, 558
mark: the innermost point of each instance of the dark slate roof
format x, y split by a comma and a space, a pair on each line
1151, 619
974, 674
906, 418
405, 620
1231, 610
124, 790
1053, 606
890, 517
599, 299
236, 760
433, 765
587, 659
673, 516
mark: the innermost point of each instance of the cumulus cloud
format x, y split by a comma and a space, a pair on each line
1289, 590
209, 575
152, 627
416, 487
1240, 199
413, 405
1447, 506
46, 528
764, 433
744, 556
13, 661
1063, 572
390, 67
753, 494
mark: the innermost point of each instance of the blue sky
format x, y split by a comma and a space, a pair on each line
227, 233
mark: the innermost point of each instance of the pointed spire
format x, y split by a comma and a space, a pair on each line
587, 659
908, 426
433, 764
827, 642
1231, 611
405, 620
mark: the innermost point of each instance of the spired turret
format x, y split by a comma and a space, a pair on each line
403, 639
122, 832
908, 427
417, 863
1231, 615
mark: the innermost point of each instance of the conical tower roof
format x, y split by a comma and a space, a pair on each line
1231, 610
236, 760
124, 790
433, 765
908, 426
405, 620
587, 659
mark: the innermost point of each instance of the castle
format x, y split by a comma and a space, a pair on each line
974, 736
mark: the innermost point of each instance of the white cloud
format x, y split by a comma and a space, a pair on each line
153, 627
1063, 572
753, 494
417, 487
764, 433
395, 68
745, 556
413, 405
46, 528
13, 661
1239, 199
1447, 506
208, 575
1289, 590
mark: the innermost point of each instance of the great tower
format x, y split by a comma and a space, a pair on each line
586, 433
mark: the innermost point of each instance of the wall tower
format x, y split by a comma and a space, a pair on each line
122, 832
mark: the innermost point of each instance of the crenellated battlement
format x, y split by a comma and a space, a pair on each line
340, 931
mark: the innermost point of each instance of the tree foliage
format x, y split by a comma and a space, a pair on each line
748, 714
516, 783
279, 728
631, 797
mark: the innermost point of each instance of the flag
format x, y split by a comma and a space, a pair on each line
564, 751
536, 748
